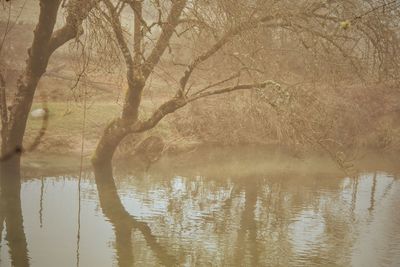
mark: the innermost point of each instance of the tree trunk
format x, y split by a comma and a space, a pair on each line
45, 42
10, 177
109, 141
38, 58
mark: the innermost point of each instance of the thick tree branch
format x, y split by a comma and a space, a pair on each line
77, 11
165, 109
230, 89
123, 46
133, 64
168, 29
179, 102
137, 35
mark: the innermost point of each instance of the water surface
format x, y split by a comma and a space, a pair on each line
214, 208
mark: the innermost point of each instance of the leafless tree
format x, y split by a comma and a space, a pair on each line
324, 30
178, 18
14, 111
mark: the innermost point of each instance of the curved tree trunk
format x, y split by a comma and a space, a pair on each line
139, 69
108, 143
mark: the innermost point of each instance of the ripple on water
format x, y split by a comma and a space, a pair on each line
249, 221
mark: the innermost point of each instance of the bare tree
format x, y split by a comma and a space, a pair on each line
323, 30
141, 62
46, 40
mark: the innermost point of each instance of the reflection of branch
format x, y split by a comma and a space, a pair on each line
123, 222
41, 202
354, 196
2, 219
372, 199
387, 189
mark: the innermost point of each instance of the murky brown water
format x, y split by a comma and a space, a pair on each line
217, 209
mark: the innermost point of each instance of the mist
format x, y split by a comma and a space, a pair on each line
199, 133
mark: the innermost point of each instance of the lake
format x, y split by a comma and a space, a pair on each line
213, 207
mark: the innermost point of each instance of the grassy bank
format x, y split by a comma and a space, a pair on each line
65, 126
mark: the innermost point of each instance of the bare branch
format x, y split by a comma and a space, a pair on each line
77, 11
10, 25
137, 35
230, 89
116, 25
168, 29
179, 102
233, 76
218, 45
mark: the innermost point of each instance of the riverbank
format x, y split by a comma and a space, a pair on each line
214, 161
60, 148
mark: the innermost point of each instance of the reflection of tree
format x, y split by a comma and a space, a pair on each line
372, 199
354, 196
280, 220
343, 221
277, 209
11, 213
248, 225
124, 223
2, 218
41, 202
